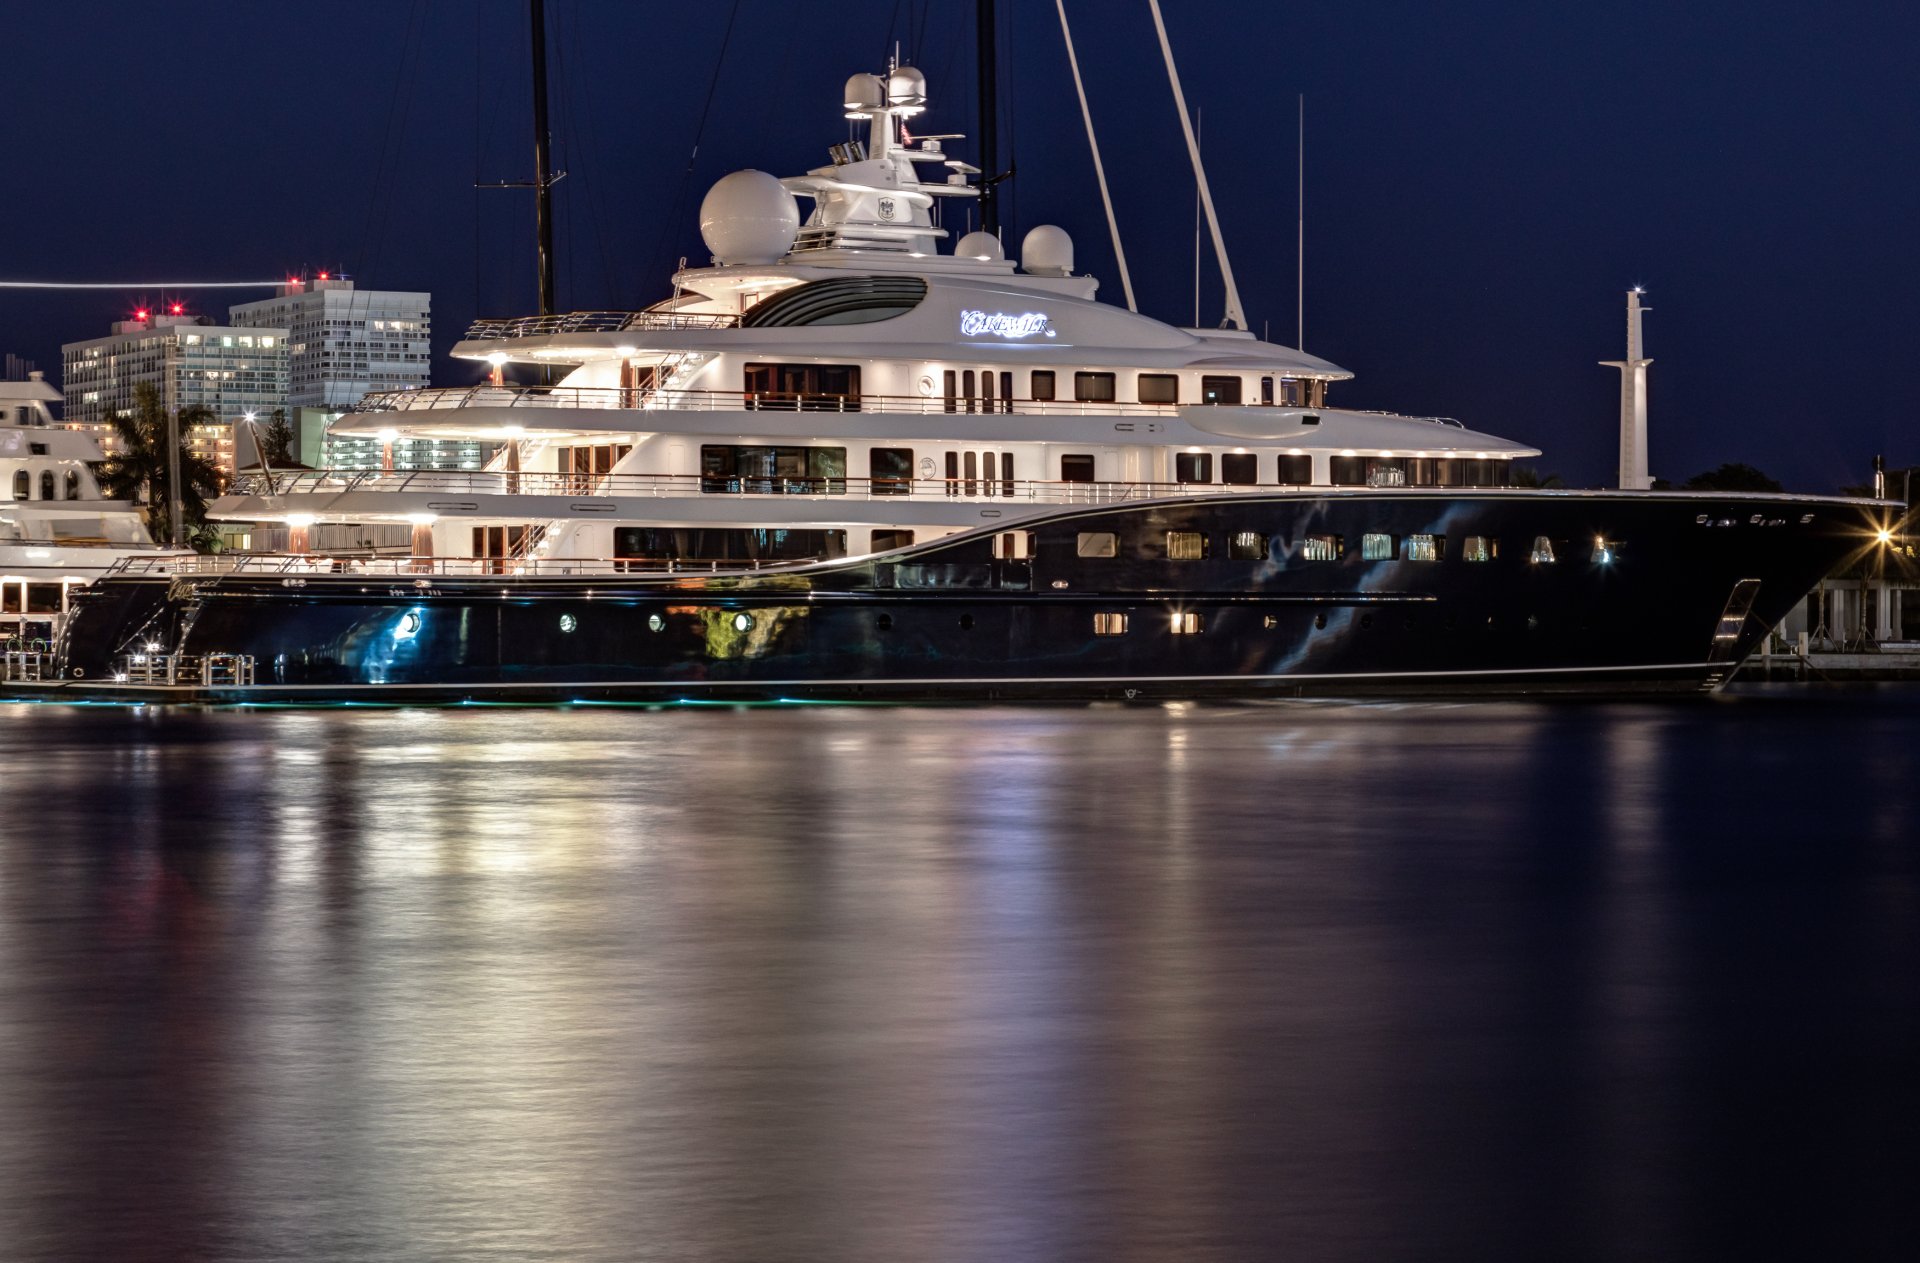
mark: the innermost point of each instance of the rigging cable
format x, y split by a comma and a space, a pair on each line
699, 133
380, 204
1099, 170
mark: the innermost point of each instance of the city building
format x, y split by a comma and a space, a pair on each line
191, 362
344, 343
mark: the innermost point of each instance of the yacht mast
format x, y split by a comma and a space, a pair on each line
1236, 316
542, 157
1633, 400
987, 51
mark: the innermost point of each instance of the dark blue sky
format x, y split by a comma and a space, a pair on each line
1484, 180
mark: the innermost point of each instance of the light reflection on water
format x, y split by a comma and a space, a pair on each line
1315, 981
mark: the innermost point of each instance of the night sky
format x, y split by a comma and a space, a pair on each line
1484, 180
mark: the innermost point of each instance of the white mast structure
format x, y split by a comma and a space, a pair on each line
1633, 400
1236, 316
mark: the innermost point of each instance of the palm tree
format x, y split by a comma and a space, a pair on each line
1528, 476
139, 469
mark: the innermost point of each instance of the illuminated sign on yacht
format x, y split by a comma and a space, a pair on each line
1004, 324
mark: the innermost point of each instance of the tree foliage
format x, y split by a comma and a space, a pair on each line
139, 469
1732, 476
276, 440
1528, 476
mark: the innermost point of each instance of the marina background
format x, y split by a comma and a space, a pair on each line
1325, 981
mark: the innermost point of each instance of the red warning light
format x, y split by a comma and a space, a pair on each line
141, 314
325, 275
176, 309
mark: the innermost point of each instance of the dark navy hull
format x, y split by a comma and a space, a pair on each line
1645, 593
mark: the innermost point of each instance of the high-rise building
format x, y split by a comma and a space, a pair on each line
191, 362
344, 343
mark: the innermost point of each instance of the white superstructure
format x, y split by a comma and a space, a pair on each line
56, 531
850, 380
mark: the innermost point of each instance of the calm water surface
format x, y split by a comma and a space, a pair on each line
1295, 981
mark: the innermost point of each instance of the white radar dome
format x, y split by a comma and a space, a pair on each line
1047, 251
866, 92
747, 217
979, 245
907, 87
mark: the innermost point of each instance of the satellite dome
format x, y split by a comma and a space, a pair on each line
866, 92
747, 217
979, 245
907, 87
1047, 251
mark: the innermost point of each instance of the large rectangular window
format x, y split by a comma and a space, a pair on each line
1105, 624
1193, 467
1386, 471
1322, 548
880, 541
1376, 548
1185, 623
1223, 390
640, 546
1040, 386
1479, 548
1093, 387
1240, 469
1159, 388
1076, 469
1423, 548
1348, 471
1295, 471
808, 387
1186, 546
890, 470
1247, 546
773, 470
1097, 544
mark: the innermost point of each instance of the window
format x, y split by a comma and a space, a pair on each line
971, 462
1006, 473
1186, 546
1006, 392
967, 388
1322, 548
1093, 387
1295, 471
773, 470
890, 470
1193, 467
1290, 393
1386, 471
1076, 469
1240, 469
1041, 384
1542, 553
1109, 624
46, 484
1247, 546
1159, 388
1479, 548
23, 486
1224, 390
808, 387
1097, 544
1423, 548
1185, 623
1266, 390
882, 540
1376, 548
1605, 551
73, 484
1349, 471
948, 379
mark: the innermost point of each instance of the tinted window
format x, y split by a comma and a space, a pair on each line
1376, 548
1159, 388
1479, 548
1097, 544
1423, 548
1295, 471
1240, 468
891, 469
1193, 467
1349, 471
1186, 546
1093, 387
1322, 548
1247, 546
1220, 390
1076, 469
1042, 384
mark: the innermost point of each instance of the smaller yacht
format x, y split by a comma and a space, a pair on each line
57, 532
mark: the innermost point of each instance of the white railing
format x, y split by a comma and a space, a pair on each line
295, 568
646, 399
673, 486
596, 322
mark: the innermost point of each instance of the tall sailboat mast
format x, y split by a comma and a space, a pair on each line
988, 50
542, 158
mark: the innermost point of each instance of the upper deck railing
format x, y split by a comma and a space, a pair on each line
596, 322
295, 566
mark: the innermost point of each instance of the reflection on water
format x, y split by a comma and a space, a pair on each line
1309, 981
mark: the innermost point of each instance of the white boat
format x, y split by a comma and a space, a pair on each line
57, 531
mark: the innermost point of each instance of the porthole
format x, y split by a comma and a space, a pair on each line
966, 622
1320, 620
656, 623
884, 622
743, 622
568, 622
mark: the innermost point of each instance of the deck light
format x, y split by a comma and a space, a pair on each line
388, 436
1884, 535
422, 519
624, 352
300, 519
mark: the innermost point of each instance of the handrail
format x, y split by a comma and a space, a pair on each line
296, 567
596, 322
666, 486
